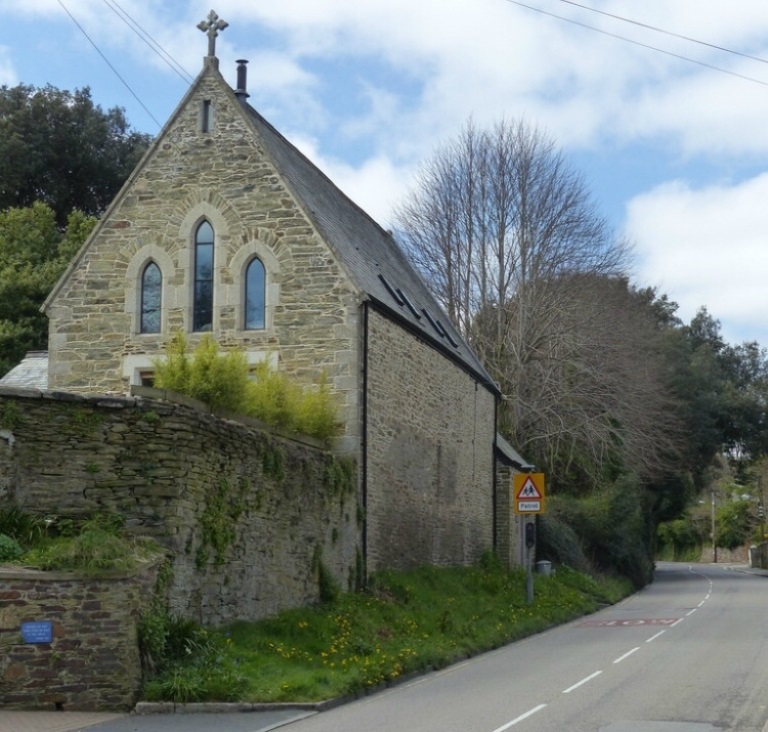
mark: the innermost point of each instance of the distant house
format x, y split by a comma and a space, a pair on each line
226, 228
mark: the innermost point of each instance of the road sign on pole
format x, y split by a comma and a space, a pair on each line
530, 496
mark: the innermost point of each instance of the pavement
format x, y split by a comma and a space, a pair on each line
190, 717
189, 720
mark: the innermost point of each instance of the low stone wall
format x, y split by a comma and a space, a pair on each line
758, 556
92, 660
740, 555
248, 516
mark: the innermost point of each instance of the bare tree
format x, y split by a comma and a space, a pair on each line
512, 244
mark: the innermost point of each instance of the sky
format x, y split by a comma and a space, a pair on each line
661, 106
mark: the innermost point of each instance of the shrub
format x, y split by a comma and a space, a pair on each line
679, 540
734, 522
184, 662
612, 527
226, 381
10, 549
219, 380
23, 527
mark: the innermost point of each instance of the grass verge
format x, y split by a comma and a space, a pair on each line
403, 623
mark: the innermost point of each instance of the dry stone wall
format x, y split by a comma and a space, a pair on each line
247, 515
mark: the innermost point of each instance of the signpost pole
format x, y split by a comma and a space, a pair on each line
530, 541
530, 500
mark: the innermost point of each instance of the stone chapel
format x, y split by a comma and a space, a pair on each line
226, 228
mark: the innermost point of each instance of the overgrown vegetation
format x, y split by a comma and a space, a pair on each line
606, 531
404, 622
88, 545
226, 381
186, 662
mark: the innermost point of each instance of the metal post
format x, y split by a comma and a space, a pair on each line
714, 540
530, 543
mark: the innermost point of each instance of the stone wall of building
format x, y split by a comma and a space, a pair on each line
92, 660
95, 343
508, 540
247, 515
429, 454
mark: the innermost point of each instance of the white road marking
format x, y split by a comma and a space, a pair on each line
691, 612
627, 654
582, 682
654, 637
529, 713
677, 622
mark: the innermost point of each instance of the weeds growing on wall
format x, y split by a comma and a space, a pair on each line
88, 545
223, 508
227, 382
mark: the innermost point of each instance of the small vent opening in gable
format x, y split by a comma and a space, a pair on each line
206, 115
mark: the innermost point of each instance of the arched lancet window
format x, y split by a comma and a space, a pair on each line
151, 299
202, 318
255, 296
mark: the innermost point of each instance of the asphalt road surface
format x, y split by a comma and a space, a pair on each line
687, 654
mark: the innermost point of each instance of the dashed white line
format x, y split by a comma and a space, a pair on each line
529, 713
627, 654
691, 612
677, 622
582, 682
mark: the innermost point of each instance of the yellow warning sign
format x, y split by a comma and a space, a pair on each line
529, 493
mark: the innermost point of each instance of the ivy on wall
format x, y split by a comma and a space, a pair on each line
223, 508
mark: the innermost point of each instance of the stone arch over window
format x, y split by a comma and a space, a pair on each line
151, 299
137, 296
256, 291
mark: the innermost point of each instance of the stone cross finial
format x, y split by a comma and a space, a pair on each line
212, 25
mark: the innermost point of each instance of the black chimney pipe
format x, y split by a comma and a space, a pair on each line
242, 73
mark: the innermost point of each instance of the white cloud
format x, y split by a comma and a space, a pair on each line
371, 88
376, 185
8, 75
707, 246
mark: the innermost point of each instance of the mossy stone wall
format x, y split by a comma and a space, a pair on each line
244, 512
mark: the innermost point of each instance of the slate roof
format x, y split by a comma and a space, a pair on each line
370, 255
31, 373
510, 456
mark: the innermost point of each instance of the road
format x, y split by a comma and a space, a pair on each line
687, 654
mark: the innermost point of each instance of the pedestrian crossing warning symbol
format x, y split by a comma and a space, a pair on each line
529, 493
528, 490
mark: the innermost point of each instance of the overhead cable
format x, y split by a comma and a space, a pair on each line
666, 32
109, 63
704, 64
147, 38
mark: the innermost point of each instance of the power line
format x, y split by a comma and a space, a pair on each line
145, 36
109, 63
668, 33
712, 67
